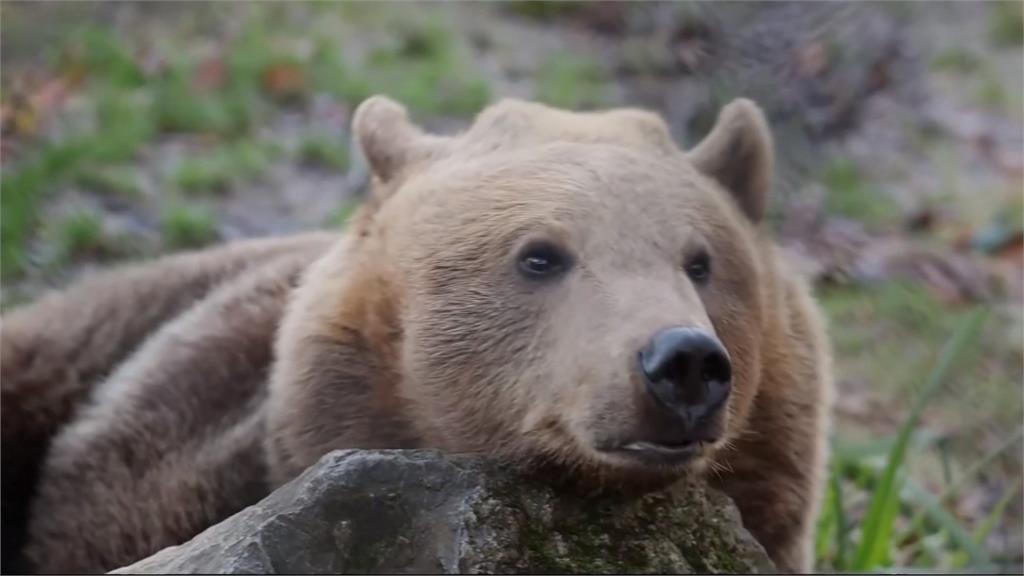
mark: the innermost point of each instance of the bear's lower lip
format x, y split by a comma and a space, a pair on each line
655, 453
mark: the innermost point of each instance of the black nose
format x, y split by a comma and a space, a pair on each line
687, 371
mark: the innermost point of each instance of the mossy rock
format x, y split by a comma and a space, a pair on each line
423, 512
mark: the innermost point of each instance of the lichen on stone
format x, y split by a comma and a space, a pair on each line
424, 512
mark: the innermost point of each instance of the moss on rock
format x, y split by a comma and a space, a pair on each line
423, 512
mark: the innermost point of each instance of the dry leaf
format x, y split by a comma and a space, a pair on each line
284, 80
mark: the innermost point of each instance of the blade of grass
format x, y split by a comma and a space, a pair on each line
876, 533
938, 514
947, 472
951, 491
989, 523
826, 525
842, 528
916, 570
980, 465
920, 440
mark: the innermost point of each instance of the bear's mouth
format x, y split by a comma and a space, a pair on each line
656, 453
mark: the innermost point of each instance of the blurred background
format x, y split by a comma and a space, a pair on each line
134, 129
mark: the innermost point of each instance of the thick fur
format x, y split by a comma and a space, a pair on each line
54, 352
415, 330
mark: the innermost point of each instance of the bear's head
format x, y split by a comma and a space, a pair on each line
570, 287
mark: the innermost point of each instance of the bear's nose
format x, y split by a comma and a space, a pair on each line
687, 371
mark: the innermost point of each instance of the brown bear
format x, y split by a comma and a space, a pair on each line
550, 288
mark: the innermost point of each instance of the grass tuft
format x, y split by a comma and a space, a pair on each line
543, 10
216, 171
101, 56
1006, 25
181, 107
78, 235
426, 71
956, 59
570, 82
115, 181
322, 152
186, 227
869, 544
849, 195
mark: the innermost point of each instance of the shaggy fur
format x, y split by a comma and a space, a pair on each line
176, 394
54, 352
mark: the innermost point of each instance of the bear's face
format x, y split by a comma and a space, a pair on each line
572, 286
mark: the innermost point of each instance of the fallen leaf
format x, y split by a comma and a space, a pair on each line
284, 80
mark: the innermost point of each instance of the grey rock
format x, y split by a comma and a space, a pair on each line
423, 512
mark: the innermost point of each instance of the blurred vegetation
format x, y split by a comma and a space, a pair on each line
79, 235
217, 170
322, 152
1007, 23
849, 195
221, 98
120, 181
570, 81
543, 10
188, 227
901, 517
424, 71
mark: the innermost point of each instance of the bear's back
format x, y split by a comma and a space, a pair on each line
175, 432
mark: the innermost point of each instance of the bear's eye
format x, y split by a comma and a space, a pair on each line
698, 267
539, 260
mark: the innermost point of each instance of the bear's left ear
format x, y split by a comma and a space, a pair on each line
389, 141
738, 155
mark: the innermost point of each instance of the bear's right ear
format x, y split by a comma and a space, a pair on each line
388, 139
738, 155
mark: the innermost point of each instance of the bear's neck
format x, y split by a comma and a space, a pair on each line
789, 325
333, 382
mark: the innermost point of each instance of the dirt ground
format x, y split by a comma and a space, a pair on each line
133, 129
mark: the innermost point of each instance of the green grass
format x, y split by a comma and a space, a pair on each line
331, 74
201, 175
849, 194
899, 513
570, 82
885, 338
79, 235
322, 152
217, 170
426, 71
895, 325
956, 59
873, 550
188, 227
102, 57
221, 96
425, 68
122, 126
543, 10
115, 181
990, 92
22, 190
179, 107
1006, 23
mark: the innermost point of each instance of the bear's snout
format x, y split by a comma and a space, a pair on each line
688, 377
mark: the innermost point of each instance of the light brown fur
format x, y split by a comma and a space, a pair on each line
414, 330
